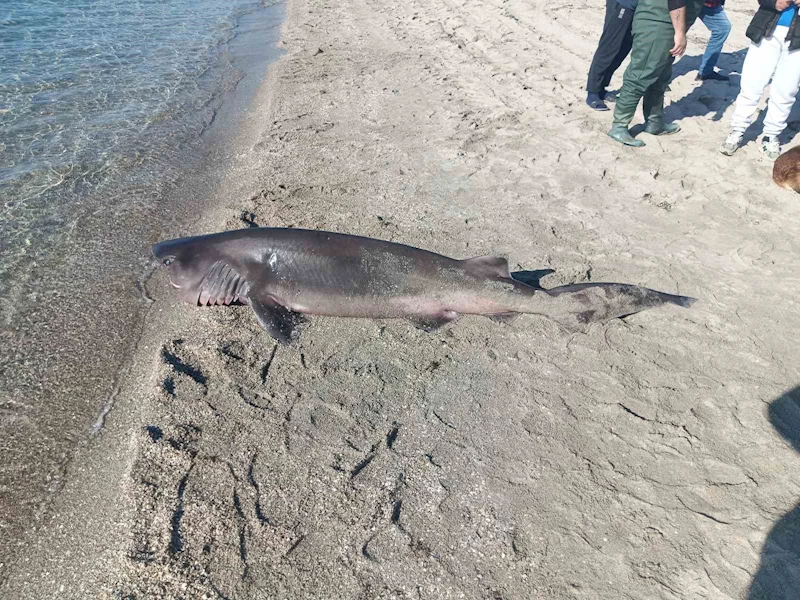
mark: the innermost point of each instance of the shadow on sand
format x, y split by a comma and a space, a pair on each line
709, 97
715, 97
778, 576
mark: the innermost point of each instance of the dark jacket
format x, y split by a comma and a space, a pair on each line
764, 22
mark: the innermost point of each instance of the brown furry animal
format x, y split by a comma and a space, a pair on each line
786, 172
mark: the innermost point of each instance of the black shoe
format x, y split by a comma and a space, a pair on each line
595, 102
713, 76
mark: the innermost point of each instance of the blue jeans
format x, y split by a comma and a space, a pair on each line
718, 24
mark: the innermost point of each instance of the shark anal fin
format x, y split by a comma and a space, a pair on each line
280, 322
431, 324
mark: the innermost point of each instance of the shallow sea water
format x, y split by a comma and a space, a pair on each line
97, 97
118, 119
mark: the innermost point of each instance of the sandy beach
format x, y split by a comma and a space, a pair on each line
655, 457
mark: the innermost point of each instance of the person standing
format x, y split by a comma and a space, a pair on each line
659, 36
613, 47
774, 52
714, 18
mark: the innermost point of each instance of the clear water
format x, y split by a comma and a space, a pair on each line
117, 123
96, 98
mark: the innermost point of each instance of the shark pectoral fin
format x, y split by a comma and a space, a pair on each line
280, 322
506, 318
431, 324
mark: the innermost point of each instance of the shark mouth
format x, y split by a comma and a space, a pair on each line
222, 285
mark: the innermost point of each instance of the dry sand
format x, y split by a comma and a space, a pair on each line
652, 458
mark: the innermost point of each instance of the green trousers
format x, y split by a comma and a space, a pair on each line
648, 74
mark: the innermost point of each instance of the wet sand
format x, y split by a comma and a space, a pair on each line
653, 457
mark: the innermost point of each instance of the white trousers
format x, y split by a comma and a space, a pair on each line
763, 60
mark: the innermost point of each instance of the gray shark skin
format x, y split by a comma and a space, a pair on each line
284, 274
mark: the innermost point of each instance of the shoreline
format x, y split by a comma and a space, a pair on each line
97, 357
370, 459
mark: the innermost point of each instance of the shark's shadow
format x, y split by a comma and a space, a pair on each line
531, 278
778, 576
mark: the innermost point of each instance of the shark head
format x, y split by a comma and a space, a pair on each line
187, 263
201, 271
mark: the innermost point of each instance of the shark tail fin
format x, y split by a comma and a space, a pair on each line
585, 303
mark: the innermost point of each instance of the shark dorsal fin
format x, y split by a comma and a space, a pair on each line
487, 266
222, 285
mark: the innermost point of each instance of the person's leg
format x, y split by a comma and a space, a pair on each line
759, 64
617, 26
653, 101
597, 66
651, 42
782, 94
718, 24
625, 45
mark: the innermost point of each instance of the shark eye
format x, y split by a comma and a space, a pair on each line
168, 261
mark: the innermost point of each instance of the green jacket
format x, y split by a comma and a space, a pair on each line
658, 10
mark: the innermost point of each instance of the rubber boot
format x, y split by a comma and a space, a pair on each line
658, 127
653, 108
621, 134
624, 110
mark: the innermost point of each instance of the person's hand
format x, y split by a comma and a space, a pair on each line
782, 5
680, 44
797, 3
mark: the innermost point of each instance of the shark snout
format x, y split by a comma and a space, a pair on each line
158, 251
164, 252
162, 258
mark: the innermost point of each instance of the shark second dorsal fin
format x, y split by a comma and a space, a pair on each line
487, 266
